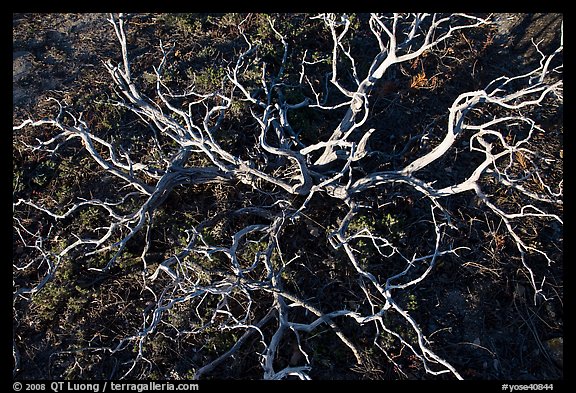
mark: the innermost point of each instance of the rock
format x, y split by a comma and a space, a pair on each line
21, 65
555, 348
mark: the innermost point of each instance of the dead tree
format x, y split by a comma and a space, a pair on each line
292, 172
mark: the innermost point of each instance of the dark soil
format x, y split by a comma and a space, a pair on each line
478, 309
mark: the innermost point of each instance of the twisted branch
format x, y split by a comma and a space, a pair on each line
251, 295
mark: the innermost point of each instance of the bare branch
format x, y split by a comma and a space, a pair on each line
232, 269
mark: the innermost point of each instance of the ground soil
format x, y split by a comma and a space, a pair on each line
487, 323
